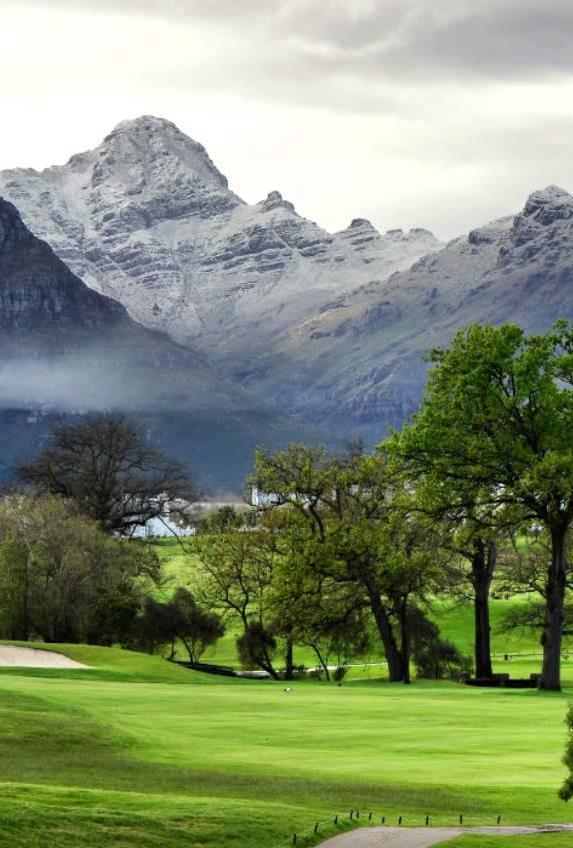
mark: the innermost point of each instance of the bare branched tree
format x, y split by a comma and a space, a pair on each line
105, 465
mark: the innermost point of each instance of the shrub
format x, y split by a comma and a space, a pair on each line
340, 673
440, 659
435, 658
257, 647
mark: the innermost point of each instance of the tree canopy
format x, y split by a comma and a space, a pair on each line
105, 464
496, 429
62, 579
352, 525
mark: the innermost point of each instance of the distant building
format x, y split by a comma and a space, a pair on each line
162, 528
262, 499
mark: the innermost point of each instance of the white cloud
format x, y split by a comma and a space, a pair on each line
435, 114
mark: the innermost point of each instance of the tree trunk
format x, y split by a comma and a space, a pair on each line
483, 563
384, 626
321, 661
267, 665
405, 640
172, 651
554, 603
289, 662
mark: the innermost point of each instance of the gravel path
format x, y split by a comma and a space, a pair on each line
35, 658
424, 837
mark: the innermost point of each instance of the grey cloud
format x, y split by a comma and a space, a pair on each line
177, 9
419, 41
385, 39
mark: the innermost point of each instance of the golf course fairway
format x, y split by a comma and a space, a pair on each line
135, 751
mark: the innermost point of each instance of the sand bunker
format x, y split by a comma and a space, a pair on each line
35, 658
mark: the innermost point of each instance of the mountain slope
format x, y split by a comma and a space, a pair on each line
148, 219
363, 355
66, 349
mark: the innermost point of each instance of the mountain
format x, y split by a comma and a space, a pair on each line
66, 349
148, 219
363, 354
329, 328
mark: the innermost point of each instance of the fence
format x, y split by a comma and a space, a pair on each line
358, 817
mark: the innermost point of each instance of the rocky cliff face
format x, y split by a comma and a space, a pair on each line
37, 292
66, 349
148, 219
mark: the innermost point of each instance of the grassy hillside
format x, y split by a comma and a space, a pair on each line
159, 755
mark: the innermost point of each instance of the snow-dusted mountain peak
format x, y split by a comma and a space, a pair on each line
148, 218
275, 200
147, 124
361, 224
549, 204
156, 142
547, 214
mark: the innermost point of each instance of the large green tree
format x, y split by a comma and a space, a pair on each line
355, 528
471, 531
234, 571
497, 424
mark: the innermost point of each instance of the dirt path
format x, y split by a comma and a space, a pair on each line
35, 658
424, 837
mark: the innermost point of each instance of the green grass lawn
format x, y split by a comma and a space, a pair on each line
137, 752
540, 840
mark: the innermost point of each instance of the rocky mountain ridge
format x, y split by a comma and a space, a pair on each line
66, 349
148, 219
330, 328
364, 356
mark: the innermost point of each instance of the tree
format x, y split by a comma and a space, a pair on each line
335, 632
235, 573
235, 577
435, 658
62, 579
155, 627
197, 628
257, 647
472, 528
314, 610
180, 618
105, 465
470, 532
497, 421
355, 527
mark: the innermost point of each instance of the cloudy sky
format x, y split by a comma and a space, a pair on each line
427, 113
